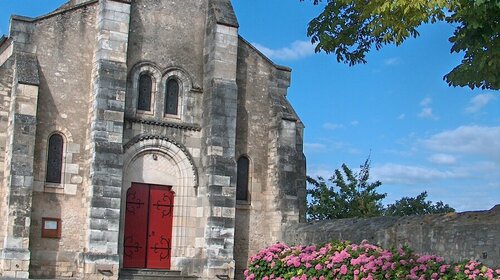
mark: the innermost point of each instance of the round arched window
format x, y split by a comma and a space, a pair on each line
145, 88
172, 97
55, 159
242, 178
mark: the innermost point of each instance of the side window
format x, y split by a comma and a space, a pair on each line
145, 89
54, 159
171, 97
242, 178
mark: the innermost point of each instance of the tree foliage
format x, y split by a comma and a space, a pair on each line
350, 28
345, 195
418, 205
477, 35
349, 194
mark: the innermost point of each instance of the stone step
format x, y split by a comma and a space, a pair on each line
133, 271
145, 277
152, 274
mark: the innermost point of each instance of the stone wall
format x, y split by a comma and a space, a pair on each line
88, 56
270, 135
65, 79
106, 114
219, 133
6, 76
454, 236
15, 255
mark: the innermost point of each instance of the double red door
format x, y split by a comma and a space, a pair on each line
148, 226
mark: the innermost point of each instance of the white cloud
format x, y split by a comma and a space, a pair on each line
296, 50
426, 102
427, 113
402, 117
320, 171
478, 102
469, 151
474, 140
400, 153
354, 151
391, 173
314, 147
332, 126
443, 159
462, 169
480, 169
392, 61
354, 123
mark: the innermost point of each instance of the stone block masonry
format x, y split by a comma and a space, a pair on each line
15, 256
6, 77
108, 105
90, 56
219, 134
269, 134
454, 236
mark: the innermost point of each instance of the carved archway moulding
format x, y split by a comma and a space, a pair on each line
154, 143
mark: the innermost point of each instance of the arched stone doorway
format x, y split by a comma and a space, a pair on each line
156, 163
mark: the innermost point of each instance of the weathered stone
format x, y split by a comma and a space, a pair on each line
76, 73
454, 236
27, 69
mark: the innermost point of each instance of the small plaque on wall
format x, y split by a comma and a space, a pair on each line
51, 228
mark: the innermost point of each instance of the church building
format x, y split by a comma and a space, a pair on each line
142, 138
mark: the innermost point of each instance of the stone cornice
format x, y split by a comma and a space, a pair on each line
184, 126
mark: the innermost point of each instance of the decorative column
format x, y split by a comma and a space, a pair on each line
109, 80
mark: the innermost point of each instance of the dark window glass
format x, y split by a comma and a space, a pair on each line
145, 86
54, 159
242, 179
171, 97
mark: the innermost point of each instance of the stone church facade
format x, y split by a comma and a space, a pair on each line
142, 135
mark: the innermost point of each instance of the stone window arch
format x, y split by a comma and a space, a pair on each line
55, 156
145, 94
177, 85
242, 179
172, 91
71, 177
144, 85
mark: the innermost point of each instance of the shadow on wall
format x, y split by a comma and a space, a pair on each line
45, 250
46, 206
241, 240
454, 236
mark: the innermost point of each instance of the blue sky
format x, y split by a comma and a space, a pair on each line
421, 134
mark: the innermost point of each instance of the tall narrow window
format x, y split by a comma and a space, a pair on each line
242, 179
145, 87
55, 159
172, 97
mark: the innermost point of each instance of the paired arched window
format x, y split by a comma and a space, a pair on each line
145, 91
146, 84
242, 177
171, 97
55, 159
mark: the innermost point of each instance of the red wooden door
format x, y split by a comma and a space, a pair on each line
161, 204
136, 224
148, 227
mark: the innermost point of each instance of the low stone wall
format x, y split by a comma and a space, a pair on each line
454, 236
